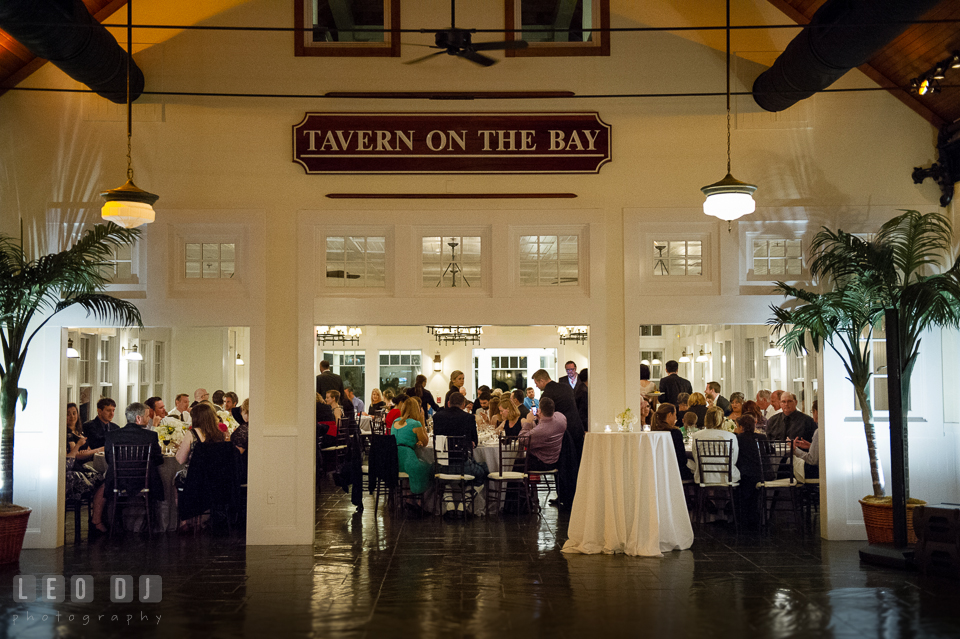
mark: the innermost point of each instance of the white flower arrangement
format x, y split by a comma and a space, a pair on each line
626, 420
170, 431
227, 418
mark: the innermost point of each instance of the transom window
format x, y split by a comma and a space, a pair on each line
450, 262
356, 262
559, 27
677, 258
347, 27
549, 260
398, 369
119, 266
653, 359
777, 257
210, 261
351, 366
651, 330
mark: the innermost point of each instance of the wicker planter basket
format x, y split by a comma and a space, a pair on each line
13, 527
878, 518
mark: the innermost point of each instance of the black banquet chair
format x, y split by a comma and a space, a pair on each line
213, 482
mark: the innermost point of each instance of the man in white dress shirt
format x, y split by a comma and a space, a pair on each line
181, 409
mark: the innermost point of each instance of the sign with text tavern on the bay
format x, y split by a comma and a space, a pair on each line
451, 143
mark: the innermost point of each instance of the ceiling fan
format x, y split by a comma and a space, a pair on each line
458, 42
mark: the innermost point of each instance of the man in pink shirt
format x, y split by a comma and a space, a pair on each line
544, 439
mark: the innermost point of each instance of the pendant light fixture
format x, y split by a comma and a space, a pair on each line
128, 205
239, 361
729, 198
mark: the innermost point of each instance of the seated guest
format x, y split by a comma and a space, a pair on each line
356, 401
736, 406
388, 397
217, 399
751, 469
645, 412
809, 451
199, 395
689, 423
81, 480
665, 419
790, 423
181, 408
510, 421
392, 414
483, 413
376, 401
647, 388
137, 433
682, 407
241, 435
516, 398
75, 436
713, 422
324, 411
530, 401
453, 421
411, 434
231, 404
545, 438
750, 407
97, 428
492, 417
205, 429
155, 412
697, 404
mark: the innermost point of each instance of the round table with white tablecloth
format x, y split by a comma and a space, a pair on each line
483, 453
629, 497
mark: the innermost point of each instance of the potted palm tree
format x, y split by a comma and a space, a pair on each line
31, 293
894, 277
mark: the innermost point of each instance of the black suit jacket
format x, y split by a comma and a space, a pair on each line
581, 397
671, 386
454, 422
138, 435
723, 403
795, 425
328, 381
96, 432
237, 414
566, 403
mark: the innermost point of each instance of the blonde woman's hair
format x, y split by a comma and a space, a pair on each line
409, 409
455, 374
697, 399
378, 393
714, 417
512, 412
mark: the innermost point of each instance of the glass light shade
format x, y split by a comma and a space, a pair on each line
702, 357
773, 351
128, 206
72, 353
132, 354
656, 361
645, 362
436, 363
239, 361
729, 199
684, 358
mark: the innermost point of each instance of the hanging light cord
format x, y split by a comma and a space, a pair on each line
728, 87
130, 103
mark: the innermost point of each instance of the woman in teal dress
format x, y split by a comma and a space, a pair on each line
410, 433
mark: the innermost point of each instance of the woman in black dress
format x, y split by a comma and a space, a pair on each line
751, 470
665, 419
424, 395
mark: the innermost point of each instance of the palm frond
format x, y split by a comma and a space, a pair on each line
105, 308
917, 240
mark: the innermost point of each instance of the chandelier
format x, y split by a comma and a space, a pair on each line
576, 334
454, 334
338, 334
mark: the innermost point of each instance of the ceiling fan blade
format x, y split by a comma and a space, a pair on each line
473, 56
497, 46
426, 57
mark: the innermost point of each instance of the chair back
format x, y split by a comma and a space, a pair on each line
383, 462
512, 455
213, 478
453, 452
776, 460
377, 424
130, 469
714, 464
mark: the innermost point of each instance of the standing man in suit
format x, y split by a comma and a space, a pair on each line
327, 380
136, 433
572, 377
713, 395
572, 447
672, 385
97, 428
453, 421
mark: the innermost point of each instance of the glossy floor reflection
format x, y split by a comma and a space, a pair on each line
371, 576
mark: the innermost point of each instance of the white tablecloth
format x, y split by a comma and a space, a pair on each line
488, 454
629, 497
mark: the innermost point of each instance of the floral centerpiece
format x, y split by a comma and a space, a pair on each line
170, 432
625, 421
227, 420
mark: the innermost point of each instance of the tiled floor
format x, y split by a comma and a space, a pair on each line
371, 576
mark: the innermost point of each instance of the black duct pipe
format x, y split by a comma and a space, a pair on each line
64, 32
842, 34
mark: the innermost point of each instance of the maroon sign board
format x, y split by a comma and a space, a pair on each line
451, 143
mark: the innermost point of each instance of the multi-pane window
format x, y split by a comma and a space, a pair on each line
351, 367
84, 372
651, 330
348, 27
777, 257
356, 261
508, 372
210, 260
549, 260
653, 359
157, 365
559, 27
750, 367
119, 265
450, 262
682, 257
398, 369
105, 356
